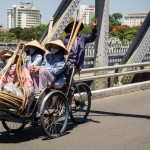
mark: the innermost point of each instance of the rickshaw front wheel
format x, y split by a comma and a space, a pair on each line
54, 114
13, 127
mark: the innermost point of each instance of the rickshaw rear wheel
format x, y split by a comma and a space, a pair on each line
80, 103
13, 127
54, 116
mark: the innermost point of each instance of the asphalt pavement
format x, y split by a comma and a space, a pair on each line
115, 123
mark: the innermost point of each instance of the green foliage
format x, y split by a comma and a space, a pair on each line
7, 37
114, 20
17, 31
38, 30
27, 34
130, 33
125, 34
86, 30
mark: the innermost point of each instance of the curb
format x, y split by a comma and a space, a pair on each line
97, 94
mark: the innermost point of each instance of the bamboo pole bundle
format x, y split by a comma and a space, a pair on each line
19, 65
74, 35
74, 24
19, 75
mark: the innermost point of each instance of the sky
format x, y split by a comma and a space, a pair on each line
48, 7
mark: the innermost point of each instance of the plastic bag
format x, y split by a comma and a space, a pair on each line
12, 89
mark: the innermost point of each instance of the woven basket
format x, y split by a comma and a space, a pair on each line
9, 101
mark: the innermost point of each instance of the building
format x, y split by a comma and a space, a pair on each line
23, 15
134, 19
90, 13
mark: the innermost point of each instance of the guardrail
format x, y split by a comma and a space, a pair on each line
115, 53
134, 66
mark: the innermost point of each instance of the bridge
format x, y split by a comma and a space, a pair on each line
129, 77
129, 60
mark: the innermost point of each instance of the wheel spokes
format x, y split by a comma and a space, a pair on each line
55, 121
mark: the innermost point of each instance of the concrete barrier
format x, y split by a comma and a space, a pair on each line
97, 94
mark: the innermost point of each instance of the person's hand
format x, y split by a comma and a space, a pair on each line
21, 43
94, 23
34, 69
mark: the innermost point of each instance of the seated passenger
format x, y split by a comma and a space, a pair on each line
34, 54
52, 71
10, 77
5, 56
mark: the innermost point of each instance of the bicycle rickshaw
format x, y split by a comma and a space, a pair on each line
53, 107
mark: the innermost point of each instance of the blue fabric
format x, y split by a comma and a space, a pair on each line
56, 67
35, 60
77, 52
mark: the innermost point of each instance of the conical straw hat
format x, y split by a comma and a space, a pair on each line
70, 25
35, 43
56, 42
6, 52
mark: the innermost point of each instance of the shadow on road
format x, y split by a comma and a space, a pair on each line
119, 114
30, 133
26, 134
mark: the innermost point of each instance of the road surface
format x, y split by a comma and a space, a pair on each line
115, 123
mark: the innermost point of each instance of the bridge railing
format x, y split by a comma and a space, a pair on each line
116, 51
136, 68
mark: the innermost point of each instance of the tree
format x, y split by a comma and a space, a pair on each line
130, 33
86, 30
38, 30
114, 20
123, 33
120, 33
27, 34
17, 31
7, 37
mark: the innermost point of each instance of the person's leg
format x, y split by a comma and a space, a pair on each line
45, 78
35, 78
59, 83
30, 100
41, 79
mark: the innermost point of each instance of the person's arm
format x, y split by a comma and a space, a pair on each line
37, 61
90, 38
58, 68
80, 58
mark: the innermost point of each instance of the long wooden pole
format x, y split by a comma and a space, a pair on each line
50, 28
74, 24
74, 35
19, 65
49, 32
